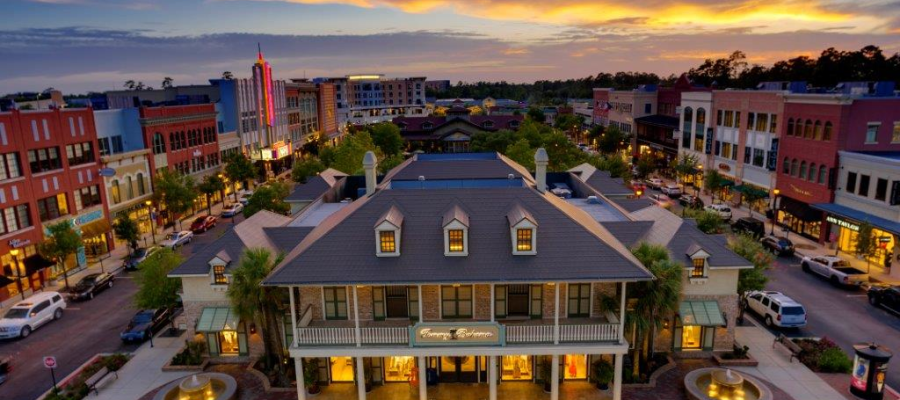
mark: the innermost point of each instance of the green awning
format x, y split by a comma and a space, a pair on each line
700, 313
727, 182
217, 319
753, 191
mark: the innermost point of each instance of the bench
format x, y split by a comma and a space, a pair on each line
97, 378
790, 345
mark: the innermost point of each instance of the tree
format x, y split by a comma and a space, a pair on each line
683, 166
655, 300
305, 168
227, 75
251, 301
749, 248
129, 84
167, 82
348, 155
386, 136
522, 153
713, 181
707, 221
611, 140
211, 185
389, 163
239, 168
751, 196
439, 112
568, 122
60, 242
645, 166
268, 197
155, 288
535, 114
127, 230
175, 192
866, 243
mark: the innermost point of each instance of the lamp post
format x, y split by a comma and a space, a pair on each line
15, 256
150, 214
697, 180
775, 193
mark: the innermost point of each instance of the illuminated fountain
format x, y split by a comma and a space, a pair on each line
724, 384
203, 386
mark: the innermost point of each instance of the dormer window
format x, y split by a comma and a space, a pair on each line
456, 232
513, 124
387, 233
699, 269
523, 231
217, 267
219, 277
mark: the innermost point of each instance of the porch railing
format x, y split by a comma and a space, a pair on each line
347, 336
567, 333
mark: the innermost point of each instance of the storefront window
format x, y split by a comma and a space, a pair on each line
228, 343
575, 366
516, 368
690, 337
341, 369
399, 369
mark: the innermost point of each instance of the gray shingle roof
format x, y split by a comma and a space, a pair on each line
342, 249
632, 205
688, 236
456, 213
286, 238
311, 190
602, 182
628, 232
198, 263
459, 169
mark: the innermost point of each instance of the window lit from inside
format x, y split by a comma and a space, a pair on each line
697, 272
455, 238
523, 239
219, 275
387, 241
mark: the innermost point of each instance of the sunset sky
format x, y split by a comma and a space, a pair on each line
81, 45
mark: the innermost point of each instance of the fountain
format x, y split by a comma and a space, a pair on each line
203, 386
724, 384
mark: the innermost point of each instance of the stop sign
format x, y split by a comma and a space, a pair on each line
50, 362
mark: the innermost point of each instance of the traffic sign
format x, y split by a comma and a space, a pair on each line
50, 362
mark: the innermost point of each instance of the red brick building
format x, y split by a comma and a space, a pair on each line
327, 110
182, 138
49, 173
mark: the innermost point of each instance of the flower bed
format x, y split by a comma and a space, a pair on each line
190, 358
739, 357
74, 388
823, 355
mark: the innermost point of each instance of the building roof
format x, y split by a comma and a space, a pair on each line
629, 233
415, 126
632, 205
316, 186
286, 238
456, 213
458, 166
601, 181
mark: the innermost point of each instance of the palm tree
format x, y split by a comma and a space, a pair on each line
227, 75
167, 82
129, 84
656, 300
253, 302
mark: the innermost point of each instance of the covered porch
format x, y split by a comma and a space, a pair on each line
467, 391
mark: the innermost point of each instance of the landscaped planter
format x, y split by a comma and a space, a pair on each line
267, 387
651, 383
735, 362
69, 385
175, 368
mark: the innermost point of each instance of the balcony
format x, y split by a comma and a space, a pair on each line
397, 332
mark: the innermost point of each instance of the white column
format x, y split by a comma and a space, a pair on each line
622, 315
554, 376
421, 300
423, 384
360, 379
356, 317
492, 375
493, 303
293, 316
556, 316
301, 384
617, 378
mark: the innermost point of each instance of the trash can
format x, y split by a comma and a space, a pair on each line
869, 369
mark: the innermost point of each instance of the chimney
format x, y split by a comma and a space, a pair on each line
540, 171
369, 164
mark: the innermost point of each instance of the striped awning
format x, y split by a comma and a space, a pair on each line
217, 319
700, 313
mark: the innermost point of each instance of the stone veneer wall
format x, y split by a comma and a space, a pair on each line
724, 340
482, 305
601, 290
191, 314
549, 302
431, 305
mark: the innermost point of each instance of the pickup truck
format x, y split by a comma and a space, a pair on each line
837, 271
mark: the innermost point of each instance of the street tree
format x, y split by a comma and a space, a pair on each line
866, 243
536, 114
713, 181
155, 288
348, 155
211, 185
306, 168
749, 248
239, 168
645, 166
251, 301
707, 221
386, 136
683, 165
61, 242
751, 196
654, 301
126, 230
268, 197
522, 153
568, 122
611, 140
175, 192
389, 162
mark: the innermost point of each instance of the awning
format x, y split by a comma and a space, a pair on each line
217, 319
799, 209
700, 313
753, 191
859, 216
95, 228
36, 263
727, 183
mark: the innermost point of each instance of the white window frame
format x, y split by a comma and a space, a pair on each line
456, 225
877, 125
523, 224
217, 262
383, 227
700, 254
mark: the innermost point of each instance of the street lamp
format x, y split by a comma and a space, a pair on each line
775, 193
697, 180
150, 214
15, 256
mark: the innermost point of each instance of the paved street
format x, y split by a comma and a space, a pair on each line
87, 328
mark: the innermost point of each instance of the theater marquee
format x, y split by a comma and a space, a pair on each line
452, 334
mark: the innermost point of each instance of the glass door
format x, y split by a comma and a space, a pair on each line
517, 300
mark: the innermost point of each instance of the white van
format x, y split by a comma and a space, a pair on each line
29, 314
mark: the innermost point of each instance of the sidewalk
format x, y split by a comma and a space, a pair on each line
775, 366
143, 372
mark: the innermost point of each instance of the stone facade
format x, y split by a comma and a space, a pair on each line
724, 339
431, 305
366, 309
482, 303
311, 296
549, 302
602, 290
188, 321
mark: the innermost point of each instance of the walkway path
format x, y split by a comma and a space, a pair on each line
144, 372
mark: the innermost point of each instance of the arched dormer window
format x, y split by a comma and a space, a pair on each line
456, 232
402, 125
523, 231
387, 233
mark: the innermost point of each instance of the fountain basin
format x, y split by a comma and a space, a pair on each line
202, 386
721, 383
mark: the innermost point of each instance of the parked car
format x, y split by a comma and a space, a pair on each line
244, 197
27, 315
886, 296
203, 224
138, 256
232, 209
175, 239
655, 183
776, 309
749, 225
722, 210
836, 270
689, 201
672, 190
90, 285
781, 246
661, 200
144, 324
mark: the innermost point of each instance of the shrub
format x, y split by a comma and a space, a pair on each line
115, 361
191, 355
834, 360
603, 372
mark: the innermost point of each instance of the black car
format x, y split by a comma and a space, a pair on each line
90, 285
689, 201
144, 324
138, 256
886, 296
781, 246
749, 225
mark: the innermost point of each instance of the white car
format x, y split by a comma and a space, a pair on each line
28, 315
176, 239
672, 190
776, 309
230, 210
722, 210
655, 183
661, 200
244, 196
836, 270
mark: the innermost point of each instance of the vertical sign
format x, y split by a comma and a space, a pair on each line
772, 162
